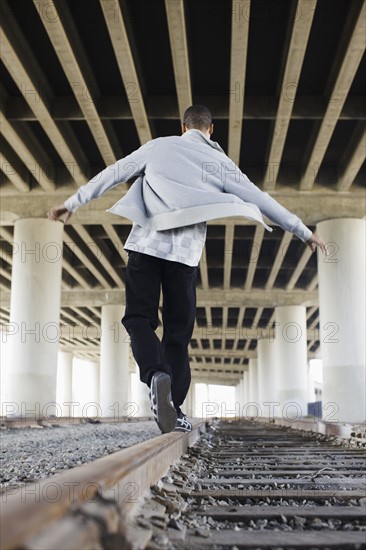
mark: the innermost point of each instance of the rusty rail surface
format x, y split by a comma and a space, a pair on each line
76, 509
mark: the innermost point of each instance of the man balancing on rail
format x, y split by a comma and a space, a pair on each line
182, 181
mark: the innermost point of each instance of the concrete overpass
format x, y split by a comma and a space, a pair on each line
285, 82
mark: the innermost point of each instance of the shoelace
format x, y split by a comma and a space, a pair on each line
184, 422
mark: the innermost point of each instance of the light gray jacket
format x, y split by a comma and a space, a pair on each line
185, 180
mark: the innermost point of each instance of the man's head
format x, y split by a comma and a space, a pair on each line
199, 118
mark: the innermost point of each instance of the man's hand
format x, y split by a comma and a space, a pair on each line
59, 213
315, 241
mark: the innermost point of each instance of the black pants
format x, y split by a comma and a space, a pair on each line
145, 276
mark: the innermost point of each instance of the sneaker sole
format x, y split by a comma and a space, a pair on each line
167, 415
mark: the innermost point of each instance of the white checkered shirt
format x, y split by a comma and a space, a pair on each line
183, 244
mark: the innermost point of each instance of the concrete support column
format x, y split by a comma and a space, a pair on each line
239, 393
188, 406
131, 377
342, 319
267, 377
140, 395
92, 407
245, 387
85, 388
192, 391
311, 386
114, 362
34, 317
4, 370
64, 383
291, 348
253, 381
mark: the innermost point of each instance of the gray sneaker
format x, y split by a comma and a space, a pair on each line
162, 406
183, 424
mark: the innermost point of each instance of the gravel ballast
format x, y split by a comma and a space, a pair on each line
30, 454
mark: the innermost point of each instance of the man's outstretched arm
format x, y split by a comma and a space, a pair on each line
240, 185
121, 171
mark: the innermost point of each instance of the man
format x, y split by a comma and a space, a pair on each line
183, 181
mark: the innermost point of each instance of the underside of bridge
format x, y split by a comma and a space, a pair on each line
86, 82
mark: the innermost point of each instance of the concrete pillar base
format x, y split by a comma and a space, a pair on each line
267, 377
342, 306
140, 396
291, 357
64, 383
114, 363
34, 318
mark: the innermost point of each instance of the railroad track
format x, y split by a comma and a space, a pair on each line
251, 486
242, 485
11, 423
90, 507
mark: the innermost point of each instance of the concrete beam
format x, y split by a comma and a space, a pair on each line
354, 159
91, 266
98, 253
310, 207
291, 76
207, 376
301, 264
238, 64
179, 49
254, 256
65, 39
282, 249
164, 107
213, 297
218, 369
352, 52
17, 140
91, 333
203, 267
118, 34
216, 378
116, 241
28, 77
9, 165
229, 249
233, 354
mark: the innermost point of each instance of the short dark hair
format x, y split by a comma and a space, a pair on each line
197, 116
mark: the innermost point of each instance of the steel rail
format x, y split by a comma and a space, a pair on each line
225, 504
72, 509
